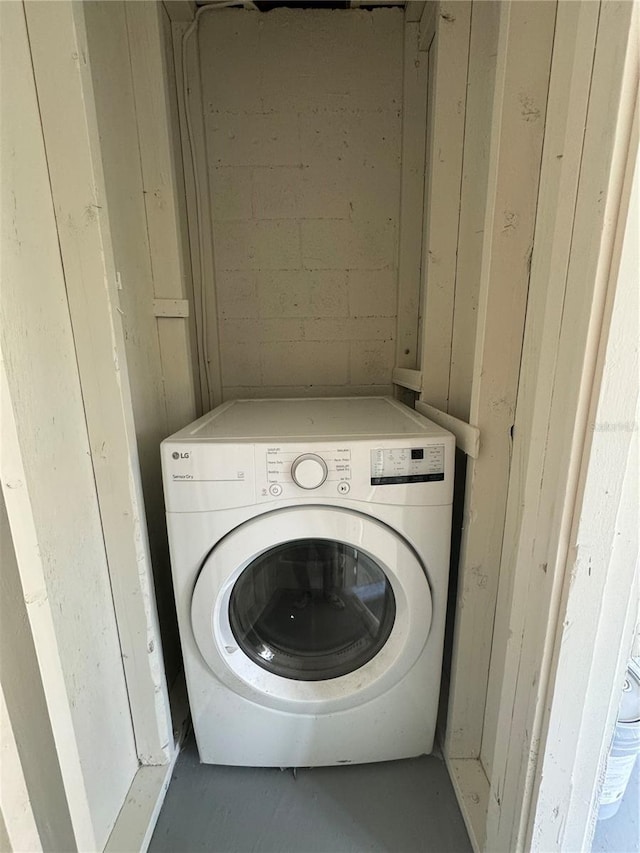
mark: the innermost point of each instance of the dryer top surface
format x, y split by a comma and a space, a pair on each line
300, 418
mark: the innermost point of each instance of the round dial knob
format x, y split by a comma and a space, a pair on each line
309, 471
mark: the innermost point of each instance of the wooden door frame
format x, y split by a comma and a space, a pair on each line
590, 43
508, 820
154, 86
542, 775
589, 640
600, 598
62, 70
185, 19
57, 31
523, 62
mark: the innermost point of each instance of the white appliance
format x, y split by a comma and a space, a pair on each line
309, 544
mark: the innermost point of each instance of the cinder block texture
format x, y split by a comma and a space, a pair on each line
303, 126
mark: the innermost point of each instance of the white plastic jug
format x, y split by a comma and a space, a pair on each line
625, 746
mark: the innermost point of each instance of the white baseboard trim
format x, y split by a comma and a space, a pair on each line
139, 814
472, 791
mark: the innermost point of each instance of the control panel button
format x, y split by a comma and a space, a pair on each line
343, 488
309, 471
275, 489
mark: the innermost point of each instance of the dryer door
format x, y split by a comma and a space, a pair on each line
311, 606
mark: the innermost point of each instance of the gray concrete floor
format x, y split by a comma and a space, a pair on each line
398, 806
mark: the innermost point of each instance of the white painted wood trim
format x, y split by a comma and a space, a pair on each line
137, 819
471, 787
414, 130
601, 578
34, 585
467, 436
427, 29
413, 11
483, 43
448, 57
180, 11
574, 46
180, 711
60, 57
171, 307
407, 378
547, 554
156, 101
178, 31
15, 802
187, 64
155, 138
522, 77
578, 750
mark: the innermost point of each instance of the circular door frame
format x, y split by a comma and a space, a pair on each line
233, 554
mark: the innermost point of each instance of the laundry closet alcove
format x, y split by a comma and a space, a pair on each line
213, 201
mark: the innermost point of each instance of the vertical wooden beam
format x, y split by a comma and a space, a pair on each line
63, 679
603, 595
428, 22
196, 173
34, 581
448, 57
31, 784
559, 571
413, 11
483, 49
15, 803
573, 51
414, 125
61, 63
180, 10
522, 80
163, 184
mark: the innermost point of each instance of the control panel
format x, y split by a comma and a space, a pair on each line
401, 465
289, 468
415, 471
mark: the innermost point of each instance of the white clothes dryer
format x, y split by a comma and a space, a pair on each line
309, 545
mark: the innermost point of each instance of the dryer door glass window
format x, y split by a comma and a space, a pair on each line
312, 609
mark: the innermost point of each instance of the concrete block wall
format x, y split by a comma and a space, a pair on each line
303, 125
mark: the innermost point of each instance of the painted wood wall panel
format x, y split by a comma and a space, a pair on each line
47, 475
574, 45
18, 830
198, 210
604, 584
483, 47
414, 132
522, 79
448, 61
151, 52
172, 100
58, 38
543, 553
32, 795
111, 72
